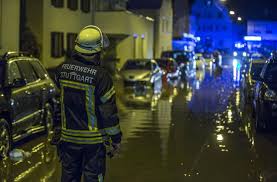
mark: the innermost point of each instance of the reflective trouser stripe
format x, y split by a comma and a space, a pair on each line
82, 140
82, 133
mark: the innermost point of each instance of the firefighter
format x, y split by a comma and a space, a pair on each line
88, 110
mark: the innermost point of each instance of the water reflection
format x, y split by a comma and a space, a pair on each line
40, 165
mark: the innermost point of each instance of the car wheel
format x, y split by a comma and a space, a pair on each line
5, 138
48, 119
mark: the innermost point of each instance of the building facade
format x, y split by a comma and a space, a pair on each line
162, 13
210, 21
9, 30
131, 35
47, 29
54, 25
266, 30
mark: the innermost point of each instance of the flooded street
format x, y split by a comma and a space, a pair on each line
200, 130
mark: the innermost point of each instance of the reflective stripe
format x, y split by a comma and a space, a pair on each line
62, 108
82, 140
113, 130
90, 100
84, 134
108, 95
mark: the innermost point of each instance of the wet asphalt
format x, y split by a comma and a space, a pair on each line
195, 131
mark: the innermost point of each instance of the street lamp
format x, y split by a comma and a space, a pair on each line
231, 12
239, 18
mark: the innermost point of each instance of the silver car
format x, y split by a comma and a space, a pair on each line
142, 78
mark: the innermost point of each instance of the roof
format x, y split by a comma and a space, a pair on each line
8, 55
144, 4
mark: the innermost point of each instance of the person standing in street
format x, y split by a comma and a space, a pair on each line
89, 116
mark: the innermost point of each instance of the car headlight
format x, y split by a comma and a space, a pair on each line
270, 95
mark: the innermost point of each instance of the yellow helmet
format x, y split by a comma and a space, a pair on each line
89, 40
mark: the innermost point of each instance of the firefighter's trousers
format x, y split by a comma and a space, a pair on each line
79, 160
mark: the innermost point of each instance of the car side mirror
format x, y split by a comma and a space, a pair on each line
18, 82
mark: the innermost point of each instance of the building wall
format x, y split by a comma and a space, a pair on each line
211, 22
163, 33
137, 30
9, 30
60, 20
266, 29
163, 29
180, 17
35, 7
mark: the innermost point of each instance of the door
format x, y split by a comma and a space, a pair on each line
32, 93
18, 101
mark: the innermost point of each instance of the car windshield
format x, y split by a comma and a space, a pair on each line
271, 73
181, 57
137, 65
207, 56
162, 63
256, 70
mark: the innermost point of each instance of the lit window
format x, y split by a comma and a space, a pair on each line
57, 3
57, 46
72, 4
85, 6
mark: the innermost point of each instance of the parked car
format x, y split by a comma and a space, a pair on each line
209, 59
250, 78
185, 60
200, 61
142, 78
265, 96
170, 69
27, 99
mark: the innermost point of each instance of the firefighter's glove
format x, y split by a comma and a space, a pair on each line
115, 150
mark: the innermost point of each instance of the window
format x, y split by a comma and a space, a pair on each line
58, 3
72, 4
224, 28
40, 71
70, 41
13, 73
57, 47
27, 71
85, 5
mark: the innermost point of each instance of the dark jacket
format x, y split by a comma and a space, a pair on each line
88, 103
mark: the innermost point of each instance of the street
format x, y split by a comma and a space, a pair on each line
199, 131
